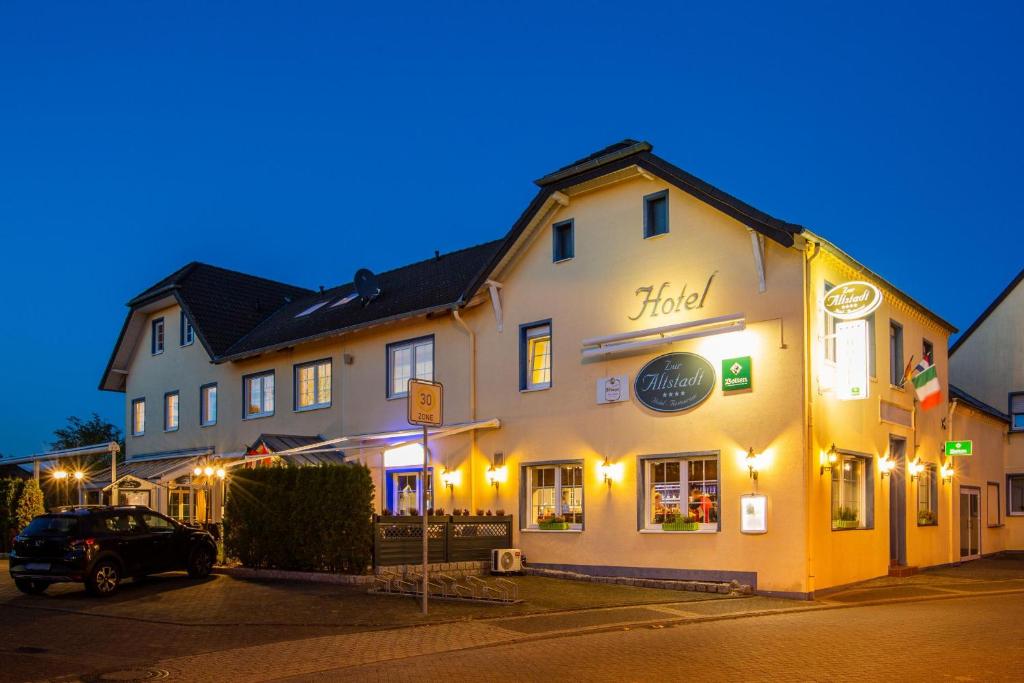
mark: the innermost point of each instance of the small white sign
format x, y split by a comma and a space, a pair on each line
852, 360
613, 389
754, 513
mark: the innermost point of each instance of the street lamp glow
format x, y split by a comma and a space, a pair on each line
208, 471
59, 474
79, 475
221, 473
197, 471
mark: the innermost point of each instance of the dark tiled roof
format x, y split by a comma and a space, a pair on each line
587, 161
276, 443
960, 394
431, 284
222, 304
987, 312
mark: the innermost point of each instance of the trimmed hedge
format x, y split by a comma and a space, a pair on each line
301, 518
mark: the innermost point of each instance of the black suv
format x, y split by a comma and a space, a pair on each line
100, 545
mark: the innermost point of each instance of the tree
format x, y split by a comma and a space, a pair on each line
89, 432
29, 504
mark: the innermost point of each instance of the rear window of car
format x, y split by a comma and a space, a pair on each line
52, 525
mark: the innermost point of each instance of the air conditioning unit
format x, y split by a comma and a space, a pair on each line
506, 561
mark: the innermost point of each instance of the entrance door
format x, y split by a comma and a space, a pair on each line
897, 503
406, 492
970, 524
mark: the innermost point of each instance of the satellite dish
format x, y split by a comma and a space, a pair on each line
366, 284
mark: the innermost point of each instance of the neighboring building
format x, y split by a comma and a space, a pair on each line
987, 366
560, 400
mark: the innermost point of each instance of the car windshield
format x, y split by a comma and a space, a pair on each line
52, 525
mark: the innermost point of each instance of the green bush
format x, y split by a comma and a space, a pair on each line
301, 518
28, 505
9, 489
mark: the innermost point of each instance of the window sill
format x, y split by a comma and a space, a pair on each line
171, 431
157, 353
994, 526
258, 417
657, 235
187, 343
138, 435
551, 531
208, 424
928, 524
563, 260
531, 390
306, 409
856, 528
902, 389
662, 531
395, 397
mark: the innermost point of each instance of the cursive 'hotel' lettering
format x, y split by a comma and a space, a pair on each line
665, 305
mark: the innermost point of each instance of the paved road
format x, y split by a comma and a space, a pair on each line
968, 639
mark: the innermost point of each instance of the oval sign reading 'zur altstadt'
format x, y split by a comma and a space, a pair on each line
674, 382
852, 300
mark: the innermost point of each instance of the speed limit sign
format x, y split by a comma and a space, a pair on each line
426, 401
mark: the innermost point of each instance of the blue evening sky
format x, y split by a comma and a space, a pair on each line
302, 140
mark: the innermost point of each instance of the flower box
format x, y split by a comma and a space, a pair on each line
845, 523
680, 526
553, 526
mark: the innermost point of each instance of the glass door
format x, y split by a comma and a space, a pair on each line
970, 526
406, 493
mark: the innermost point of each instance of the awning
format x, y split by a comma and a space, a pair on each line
284, 445
626, 342
146, 470
391, 439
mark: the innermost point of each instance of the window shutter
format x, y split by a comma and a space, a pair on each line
1017, 404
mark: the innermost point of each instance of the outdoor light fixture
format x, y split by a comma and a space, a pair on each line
752, 463
885, 466
832, 458
221, 473
59, 474
208, 471
450, 479
197, 471
915, 469
496, 475
79, 475
947, 472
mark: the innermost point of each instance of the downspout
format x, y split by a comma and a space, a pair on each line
949, 437
472, 404
809, 417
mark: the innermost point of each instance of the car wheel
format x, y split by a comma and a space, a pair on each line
104, 578
200, 562
31, 586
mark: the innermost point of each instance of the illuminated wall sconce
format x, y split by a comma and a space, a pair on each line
915, 468
496, 475
832, 457
59, 474
610, 472
885, 466
947, 472
450, 479
752, 463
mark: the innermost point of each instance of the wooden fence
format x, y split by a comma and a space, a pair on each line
399, 540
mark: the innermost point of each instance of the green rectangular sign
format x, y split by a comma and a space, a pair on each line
959, 448
736, 374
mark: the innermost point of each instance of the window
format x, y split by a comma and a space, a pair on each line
656, 214
179, 504
927, 497
313, 385
408, 360
896, 367
156, 343
155, 522
928, 351
994, 513
404, 491
259, 395
535, 356
1017, 411
563, 245
208, 405
138, 417
852, 498
1015, 494
830, 329
554, 496
122, 523
171, 411
681, 489
872, 369
188, 333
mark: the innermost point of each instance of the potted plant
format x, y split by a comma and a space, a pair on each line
552, 523
926, 518
675, 521
845, 518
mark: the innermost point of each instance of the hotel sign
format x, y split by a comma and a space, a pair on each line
852, 300
674, 382
852, 360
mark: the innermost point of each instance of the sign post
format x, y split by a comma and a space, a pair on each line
425, 406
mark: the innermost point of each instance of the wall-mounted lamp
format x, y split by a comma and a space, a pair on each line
885, 466
915, 468
496, 475
832, 458
610, 472
947, 472
752, 463
450, 479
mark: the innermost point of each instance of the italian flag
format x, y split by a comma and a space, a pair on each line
926, 384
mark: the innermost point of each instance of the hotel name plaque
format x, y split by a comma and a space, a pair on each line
674, 382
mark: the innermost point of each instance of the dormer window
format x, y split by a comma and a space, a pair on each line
188, 333
656, 214
156, 345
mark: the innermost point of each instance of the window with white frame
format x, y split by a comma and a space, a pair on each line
412, 359
535, 356
156, 338
994, 513
928, 496
259, 395
1015, 494
188, 333
208, 405
313, 385
179, 505
851, 495
171, 411
138, 417
681, 489
554, 496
